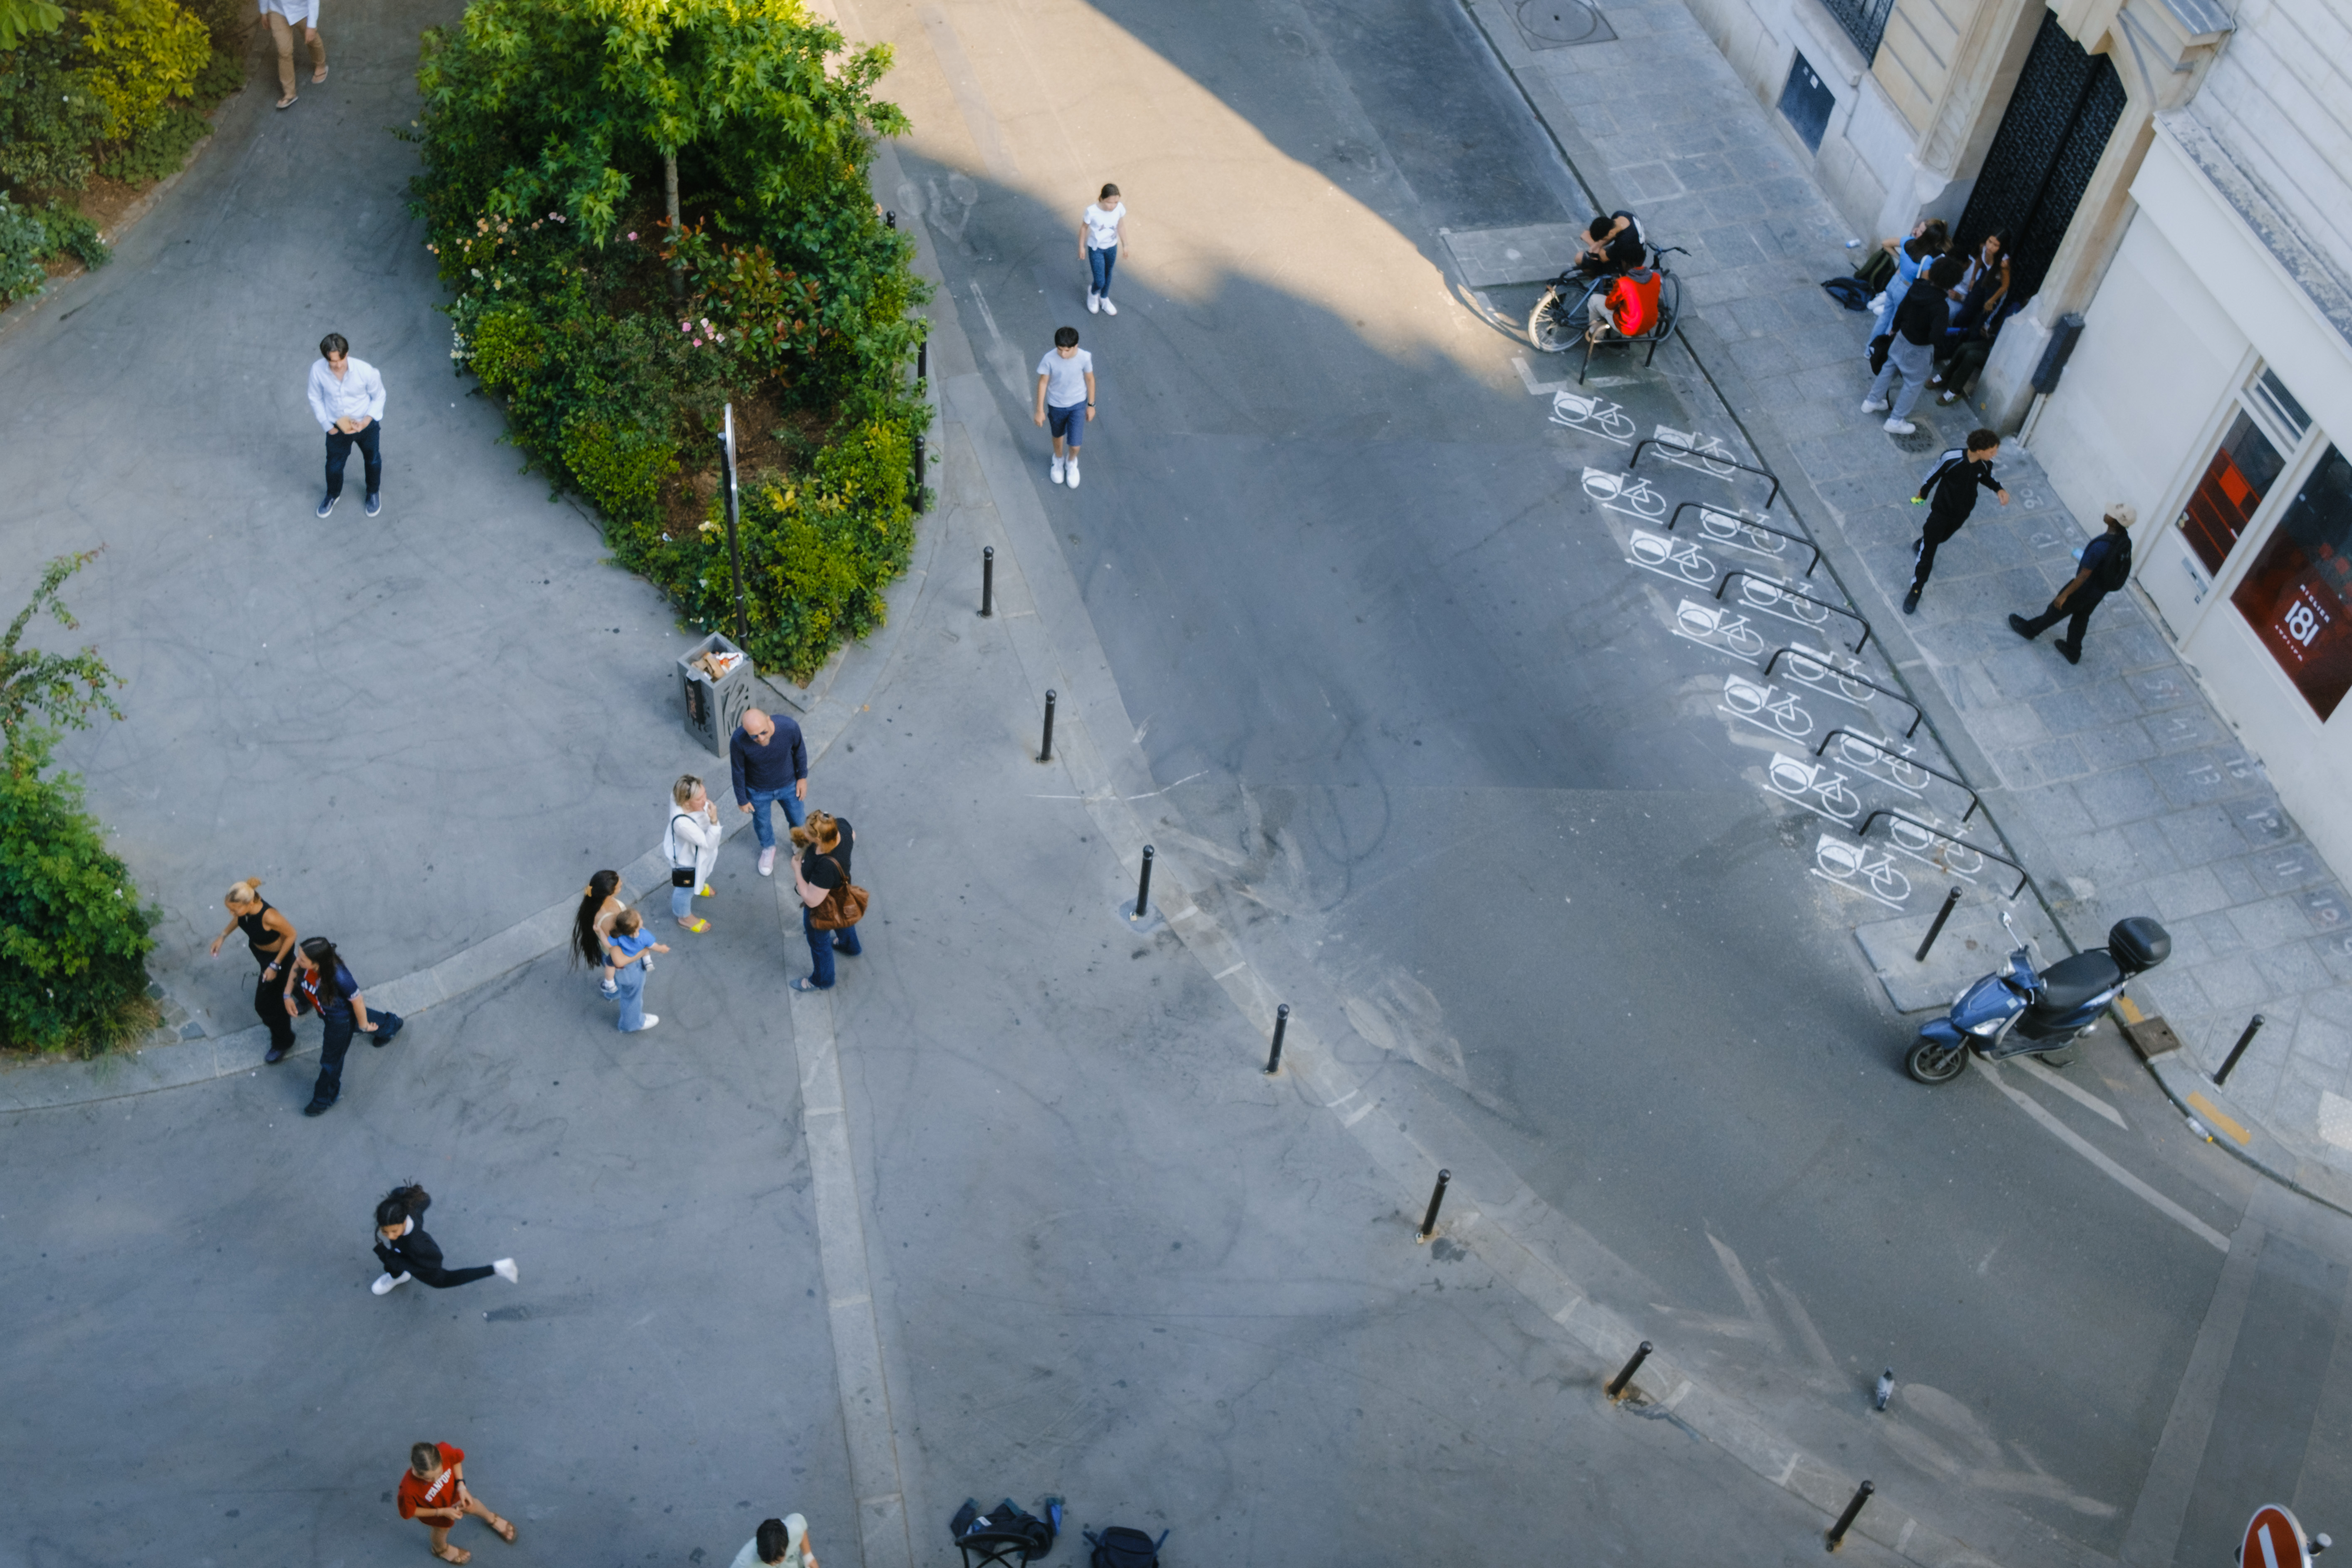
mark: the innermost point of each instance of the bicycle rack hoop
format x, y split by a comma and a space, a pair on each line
1919, 714
1766, 474
1794, 592
1747, 521
1863, 831
1873, 743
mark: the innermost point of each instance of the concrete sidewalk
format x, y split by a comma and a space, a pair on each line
2120, 784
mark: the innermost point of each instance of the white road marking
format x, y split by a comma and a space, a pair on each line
2082, 1097
2082, 1146
1231, 969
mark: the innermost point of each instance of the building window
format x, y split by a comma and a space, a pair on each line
2224, 500
2297, 596
1865, 22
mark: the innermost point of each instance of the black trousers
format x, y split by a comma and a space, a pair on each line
2087, 599
1930, 537
339, 451
270, 1006
439, 1278
341, 1025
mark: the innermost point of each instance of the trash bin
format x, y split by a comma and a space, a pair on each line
714, 707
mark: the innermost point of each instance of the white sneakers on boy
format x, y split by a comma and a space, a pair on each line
1073, 481
1899, 427
1109, 309
1874, 405
505, 1269
1058, 466
1094, 301
386, 1284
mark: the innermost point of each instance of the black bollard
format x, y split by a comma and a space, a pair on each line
1436, 1198
1852, 1512
1143, 885
2253, 1028
1951, 900
1624, 1378
1281, 1021
1045, 750
916, 499
988, 579
890, 220
923, 359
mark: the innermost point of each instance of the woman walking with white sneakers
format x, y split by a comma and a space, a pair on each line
1100, 230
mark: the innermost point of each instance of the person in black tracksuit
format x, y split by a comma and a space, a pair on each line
407, 1253
1953, 487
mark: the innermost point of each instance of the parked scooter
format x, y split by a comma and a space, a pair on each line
2018, 1009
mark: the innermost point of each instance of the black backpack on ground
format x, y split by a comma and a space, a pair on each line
1001, 1532
1120, 1547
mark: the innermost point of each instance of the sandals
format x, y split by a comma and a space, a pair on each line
698, 925
449, 1553
289, 101
318, 75
502, 1528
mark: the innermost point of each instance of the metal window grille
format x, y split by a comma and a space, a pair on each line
1865, 22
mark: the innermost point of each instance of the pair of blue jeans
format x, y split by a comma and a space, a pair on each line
631, 979
339, 452
822, 946
1100, 262
795, 811
681, 901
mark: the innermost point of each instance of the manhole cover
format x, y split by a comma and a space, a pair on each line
1557, 24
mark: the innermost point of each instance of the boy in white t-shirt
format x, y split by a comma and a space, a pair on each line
1098, 236
1065, 397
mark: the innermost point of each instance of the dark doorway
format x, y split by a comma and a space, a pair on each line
1806, 102
2057, 124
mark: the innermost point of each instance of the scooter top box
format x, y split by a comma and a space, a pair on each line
2139, 943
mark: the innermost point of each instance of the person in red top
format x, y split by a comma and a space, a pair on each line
434, 1490
1627, 307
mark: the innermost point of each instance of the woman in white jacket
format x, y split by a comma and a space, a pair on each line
691, 842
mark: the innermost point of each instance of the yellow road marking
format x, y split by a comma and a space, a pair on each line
2216, 1117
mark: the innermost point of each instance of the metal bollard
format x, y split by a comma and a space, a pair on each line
1952, 900
923, 359
988, 579
1624, 1378
1436, 1199
889, 220
2253, 1028
916, 499
1045, 750
1281, 1021
1143, 885
1852, 1512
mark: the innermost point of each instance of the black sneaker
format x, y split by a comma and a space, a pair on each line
2021, 626
326, 504
277, 1053
375, 504
1911, 603
2072, 651
318, 1107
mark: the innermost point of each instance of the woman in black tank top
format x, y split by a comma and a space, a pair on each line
271, 937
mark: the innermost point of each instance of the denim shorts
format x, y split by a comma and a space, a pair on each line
1068, 424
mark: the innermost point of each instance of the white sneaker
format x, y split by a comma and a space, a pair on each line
386, 1284
1073, 481
1057, 470
1899, 427
608, 992
1094, 301
1109, 309
1874, 405
505, 1269
768, 861
651, 1019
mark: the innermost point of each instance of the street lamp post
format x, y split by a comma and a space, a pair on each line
734, 548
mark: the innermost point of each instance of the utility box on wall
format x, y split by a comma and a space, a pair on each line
1806, 102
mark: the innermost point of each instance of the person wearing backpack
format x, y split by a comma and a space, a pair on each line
2106, 566
1953, 485
1918, 327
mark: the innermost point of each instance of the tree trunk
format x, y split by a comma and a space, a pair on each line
669, 194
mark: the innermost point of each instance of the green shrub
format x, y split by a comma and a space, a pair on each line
24, 242
157, 150
73, 934
71, 234
138, 56
621, 469
51, 119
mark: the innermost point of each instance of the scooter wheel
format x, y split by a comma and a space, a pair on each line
1933, 1062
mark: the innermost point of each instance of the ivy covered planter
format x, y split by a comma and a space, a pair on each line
614, 324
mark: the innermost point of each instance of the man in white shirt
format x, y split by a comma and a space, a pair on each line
347, 399
284, 15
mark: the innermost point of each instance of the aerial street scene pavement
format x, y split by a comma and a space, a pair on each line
820, 781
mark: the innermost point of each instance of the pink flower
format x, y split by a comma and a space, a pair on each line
633, 234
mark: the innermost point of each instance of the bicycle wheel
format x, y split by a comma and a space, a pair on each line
1550, 328
1695, 566
1618, 426
1739, 638
1792, 721
1890, 884
1844, 805
1743, 696
1930, 1062
1644, 500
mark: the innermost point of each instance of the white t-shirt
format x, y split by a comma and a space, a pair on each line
1102, 227
1066, 379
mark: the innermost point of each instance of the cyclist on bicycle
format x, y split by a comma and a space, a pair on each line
1612, 244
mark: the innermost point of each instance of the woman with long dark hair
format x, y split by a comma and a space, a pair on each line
591, 927
407, 1253
319, 983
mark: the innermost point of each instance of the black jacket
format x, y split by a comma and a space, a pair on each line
415, 1253
1923, 315
1953, 495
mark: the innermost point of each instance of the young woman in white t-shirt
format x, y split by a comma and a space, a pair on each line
1099, 232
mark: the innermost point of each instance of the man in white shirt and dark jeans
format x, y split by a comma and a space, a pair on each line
1066, 400
347, 399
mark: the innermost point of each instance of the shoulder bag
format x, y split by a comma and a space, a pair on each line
844, 905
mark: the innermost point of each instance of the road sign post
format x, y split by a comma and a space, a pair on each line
2274, 1539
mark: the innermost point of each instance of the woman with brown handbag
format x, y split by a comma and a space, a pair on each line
831, 905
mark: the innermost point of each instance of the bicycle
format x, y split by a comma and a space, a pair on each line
1746, 698
1844, 862
1560, 317
1597, 415
1701, 622
1655, 549
1796, 780
1640, 500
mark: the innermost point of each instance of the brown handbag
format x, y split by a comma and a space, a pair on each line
844, 905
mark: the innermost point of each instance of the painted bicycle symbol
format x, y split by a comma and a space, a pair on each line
1582, 410
1864, 753
1822, 672
1625, 493
1659, 552
1764, 594
1814, 786
1705, 623
1692, 450
1739, 533
1851, 864
1915, 840
1746, 698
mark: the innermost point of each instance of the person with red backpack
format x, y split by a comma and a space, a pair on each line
1627, 307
